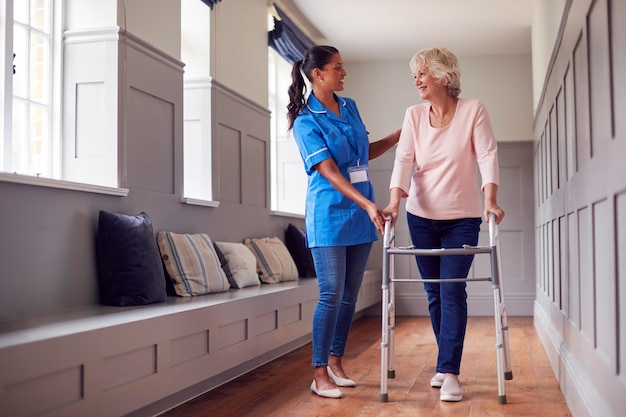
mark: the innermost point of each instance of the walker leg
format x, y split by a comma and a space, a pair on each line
384, 347
391, 371
508, 372
499, 347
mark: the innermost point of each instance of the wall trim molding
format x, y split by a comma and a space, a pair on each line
219, 87
581, 390
63, 184
116, 33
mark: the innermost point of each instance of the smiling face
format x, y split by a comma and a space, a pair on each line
331, 76
427, 85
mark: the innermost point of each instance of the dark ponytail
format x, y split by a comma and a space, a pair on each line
316, 57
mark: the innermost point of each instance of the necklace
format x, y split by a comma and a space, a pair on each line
441, 119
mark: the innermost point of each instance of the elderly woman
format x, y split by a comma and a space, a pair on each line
444, 143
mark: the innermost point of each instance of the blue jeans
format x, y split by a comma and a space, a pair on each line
447, 302
340, 272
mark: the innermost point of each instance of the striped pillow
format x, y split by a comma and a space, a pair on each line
274, 262
240, 262
192, 264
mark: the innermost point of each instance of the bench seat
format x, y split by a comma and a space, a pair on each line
140, 361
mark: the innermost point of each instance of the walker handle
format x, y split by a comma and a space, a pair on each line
493, 229
388, 232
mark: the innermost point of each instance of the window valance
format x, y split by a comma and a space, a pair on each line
211, 3
287, 39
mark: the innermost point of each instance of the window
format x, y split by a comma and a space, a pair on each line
195, 40
288, 178
33, 121
28, 146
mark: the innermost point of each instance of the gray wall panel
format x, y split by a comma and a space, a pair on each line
581, 92
255, 171
599, 76
149, 143
586, 213
605, 281
228, 164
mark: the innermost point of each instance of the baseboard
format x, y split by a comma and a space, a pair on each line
581, 395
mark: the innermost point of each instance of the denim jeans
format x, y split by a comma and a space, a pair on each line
340, 272
447, 302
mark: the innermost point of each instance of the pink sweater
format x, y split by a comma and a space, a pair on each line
437, 168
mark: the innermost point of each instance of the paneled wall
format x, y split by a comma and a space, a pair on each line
49, 241
241, 139
580, 206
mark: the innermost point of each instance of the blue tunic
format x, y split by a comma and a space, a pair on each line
331, 218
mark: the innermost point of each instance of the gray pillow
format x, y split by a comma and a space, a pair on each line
240, 263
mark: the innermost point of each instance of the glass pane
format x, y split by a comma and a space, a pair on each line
39, 134
18, 144
39, 69
20, 48
40, 16
20, 11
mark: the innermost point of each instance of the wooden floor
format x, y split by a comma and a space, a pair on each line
281, 387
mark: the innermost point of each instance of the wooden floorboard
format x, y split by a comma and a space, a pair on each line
281, 387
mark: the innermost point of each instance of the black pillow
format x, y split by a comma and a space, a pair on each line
295, 240
130, 271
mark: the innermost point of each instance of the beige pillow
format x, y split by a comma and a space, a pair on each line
192, 264
239, 264
274, 262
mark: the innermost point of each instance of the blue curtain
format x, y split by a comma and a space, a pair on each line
286, 39
211, 3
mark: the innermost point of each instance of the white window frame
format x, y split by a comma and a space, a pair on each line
53, 177
49, 165
288, 179
197, 127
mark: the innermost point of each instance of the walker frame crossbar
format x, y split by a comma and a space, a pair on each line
503, 358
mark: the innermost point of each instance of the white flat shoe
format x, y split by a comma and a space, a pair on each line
326, 393
437, 380
450, 390
340, 382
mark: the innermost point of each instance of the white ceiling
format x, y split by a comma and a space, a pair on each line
396, 29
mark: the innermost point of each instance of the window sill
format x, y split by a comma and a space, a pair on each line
200, 202
62, 184
285, 214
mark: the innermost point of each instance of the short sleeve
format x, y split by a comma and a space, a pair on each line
310, 141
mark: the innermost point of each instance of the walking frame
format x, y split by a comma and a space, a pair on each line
503, 358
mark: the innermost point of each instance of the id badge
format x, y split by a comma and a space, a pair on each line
358, 174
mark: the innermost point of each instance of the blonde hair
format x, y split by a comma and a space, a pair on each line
442, 64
